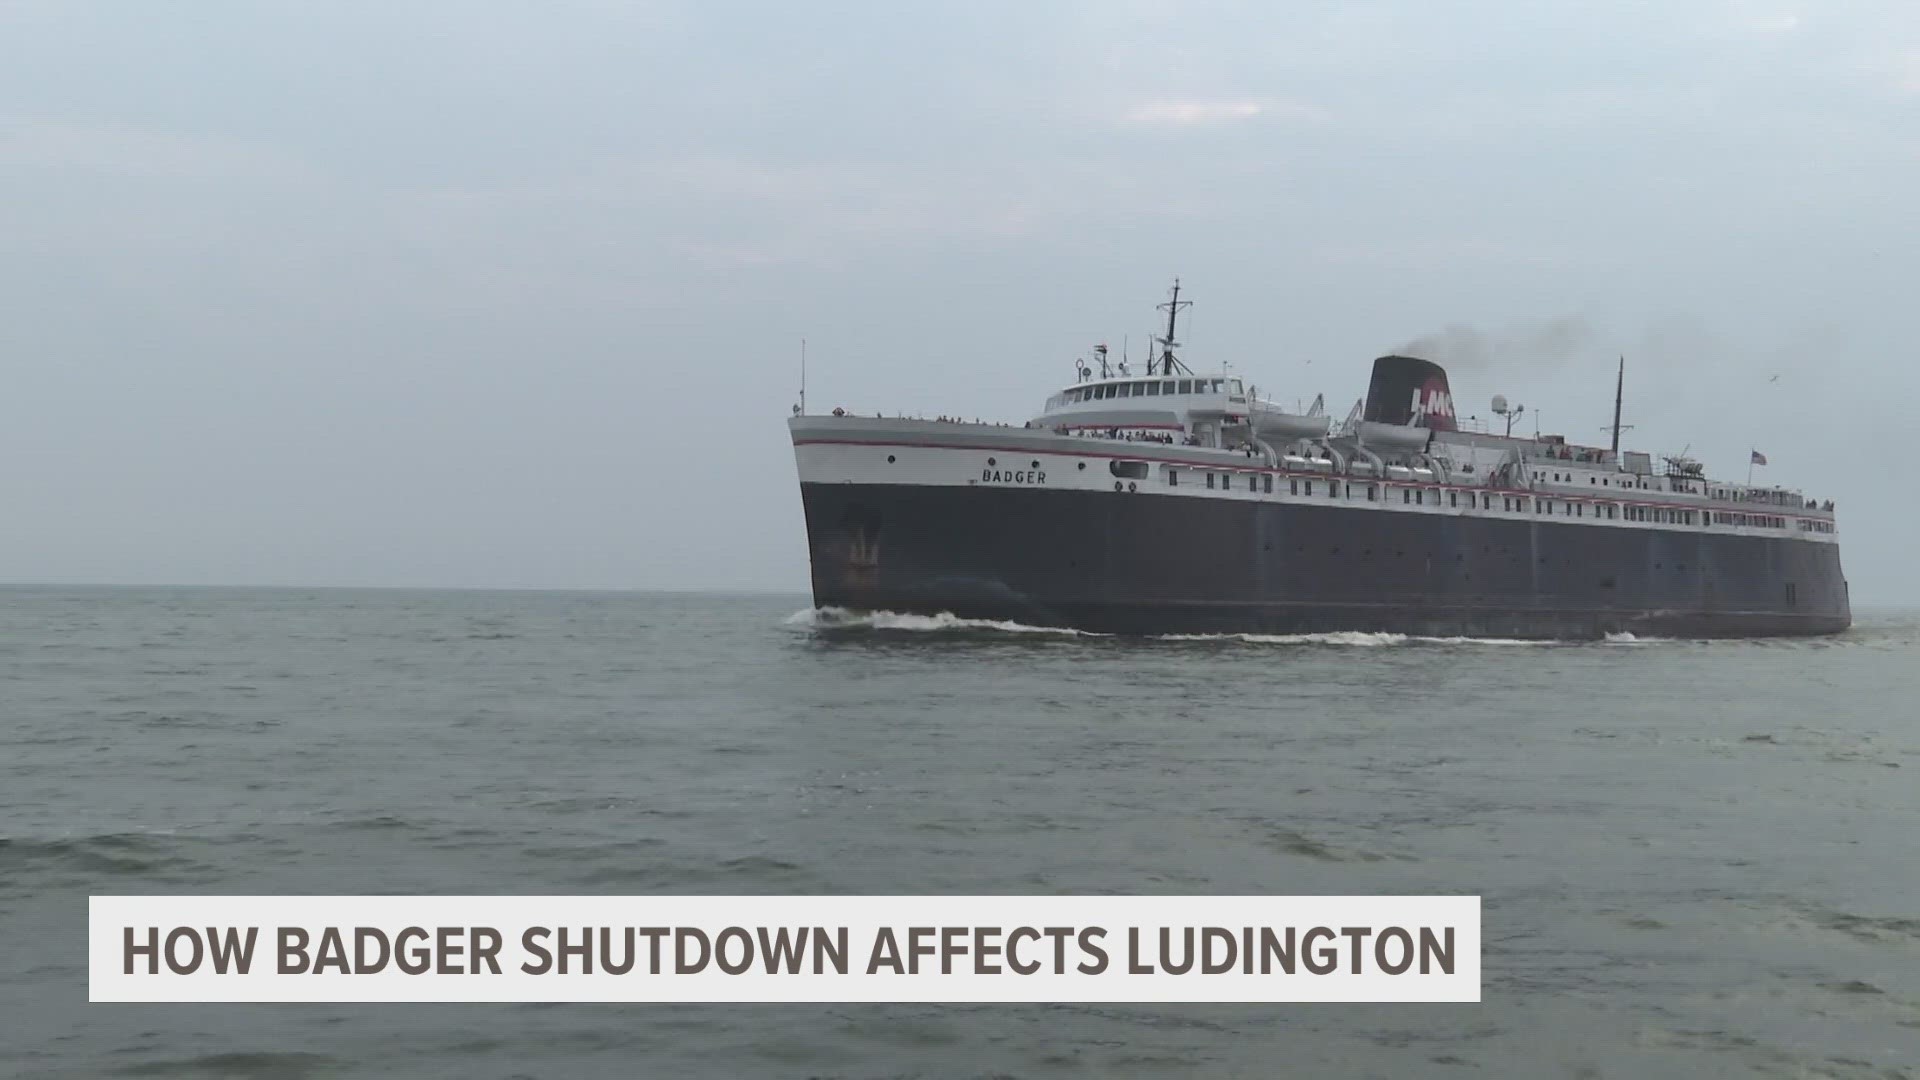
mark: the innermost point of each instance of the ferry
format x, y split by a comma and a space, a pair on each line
1178, 501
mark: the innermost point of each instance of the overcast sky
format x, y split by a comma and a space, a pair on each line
512, 294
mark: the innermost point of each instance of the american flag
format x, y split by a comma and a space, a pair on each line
1759, 458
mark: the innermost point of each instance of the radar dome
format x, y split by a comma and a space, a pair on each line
1499, 404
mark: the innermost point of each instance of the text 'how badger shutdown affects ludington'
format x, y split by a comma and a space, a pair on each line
395, 957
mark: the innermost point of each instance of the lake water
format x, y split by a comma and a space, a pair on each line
1696, 859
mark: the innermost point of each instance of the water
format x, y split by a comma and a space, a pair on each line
1697, 859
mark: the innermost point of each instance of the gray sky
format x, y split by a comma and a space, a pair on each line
425, 294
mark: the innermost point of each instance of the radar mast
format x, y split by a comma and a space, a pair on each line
1169, 362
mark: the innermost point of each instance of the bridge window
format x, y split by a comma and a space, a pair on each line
1167, 387
1219, 386
1153, 389
1186, 386
1126, 389
1269, 484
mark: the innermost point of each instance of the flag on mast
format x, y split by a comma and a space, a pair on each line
1758, 458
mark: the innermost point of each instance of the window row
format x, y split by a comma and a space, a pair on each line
1661, 515
1153, 388
1259, 483
1758, 521
1626, 481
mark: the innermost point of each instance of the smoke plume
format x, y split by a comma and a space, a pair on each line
1529, 344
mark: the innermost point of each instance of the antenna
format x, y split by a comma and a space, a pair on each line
803, 375
1619, 386
1172, 307
1501, 409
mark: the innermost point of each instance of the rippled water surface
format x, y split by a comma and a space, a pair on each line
1697, 859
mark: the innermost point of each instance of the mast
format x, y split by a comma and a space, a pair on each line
1619, 385
1172, 308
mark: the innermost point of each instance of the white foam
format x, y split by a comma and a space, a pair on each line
1628, 637
1348, 638
839, 618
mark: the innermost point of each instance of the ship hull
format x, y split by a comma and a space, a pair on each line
1137, 563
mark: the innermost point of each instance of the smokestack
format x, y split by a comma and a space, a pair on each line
1403, 386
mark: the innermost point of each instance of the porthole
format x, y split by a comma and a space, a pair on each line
1036, 465
889, 459
990, 461
1116, 485
1083, 466
1131, 486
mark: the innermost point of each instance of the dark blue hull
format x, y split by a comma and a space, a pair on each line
1143, 564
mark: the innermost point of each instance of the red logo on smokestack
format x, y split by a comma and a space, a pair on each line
1434, 400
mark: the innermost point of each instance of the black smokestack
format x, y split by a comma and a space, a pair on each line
1403, 386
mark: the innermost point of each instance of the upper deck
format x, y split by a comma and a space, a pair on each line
1402, 440
1188, 404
